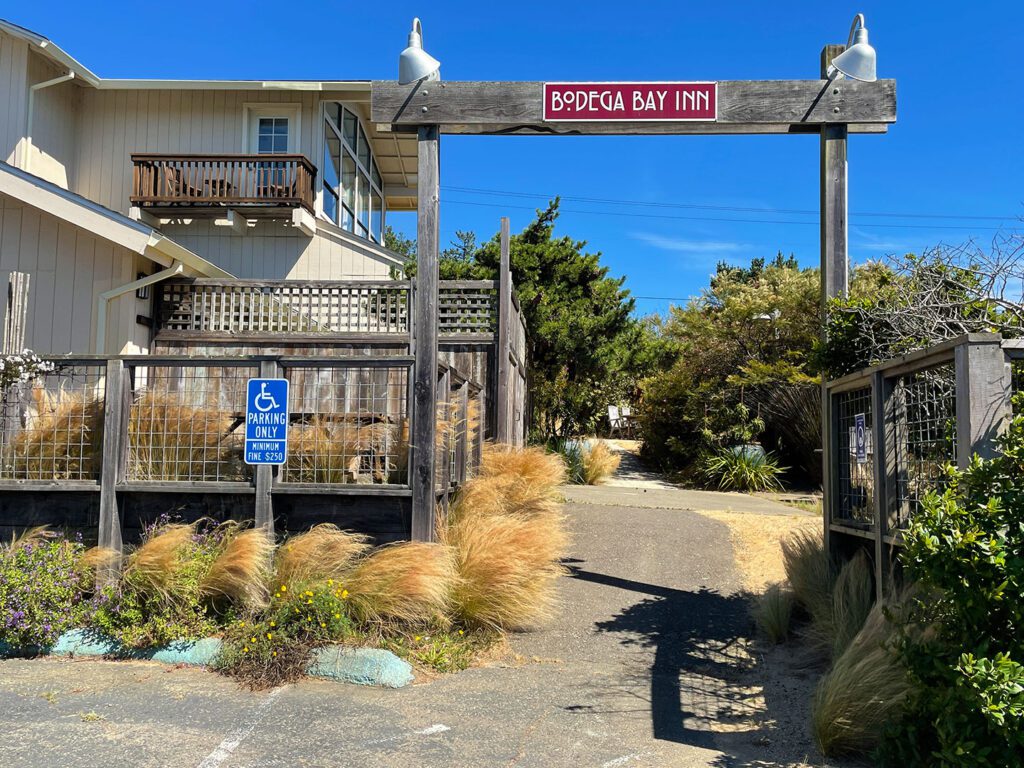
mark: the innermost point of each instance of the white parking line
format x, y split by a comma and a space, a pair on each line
232, 740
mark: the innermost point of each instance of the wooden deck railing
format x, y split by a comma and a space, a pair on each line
170, 181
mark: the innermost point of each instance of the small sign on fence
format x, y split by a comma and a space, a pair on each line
266, 421
860, 438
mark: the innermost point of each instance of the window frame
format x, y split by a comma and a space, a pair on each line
253, 111
363, 174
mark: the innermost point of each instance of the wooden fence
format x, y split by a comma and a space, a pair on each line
124, 439
892, 428
481, 328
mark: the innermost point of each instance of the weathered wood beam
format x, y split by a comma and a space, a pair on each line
744, 106
503, 395
425, 298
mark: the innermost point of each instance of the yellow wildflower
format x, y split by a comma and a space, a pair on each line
344, 593
284, 588
245, 649
461, 632
416, 639
274, 653
273, 624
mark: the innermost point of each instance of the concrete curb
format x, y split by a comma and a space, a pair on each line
361, 666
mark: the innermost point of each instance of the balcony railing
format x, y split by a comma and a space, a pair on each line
222, 181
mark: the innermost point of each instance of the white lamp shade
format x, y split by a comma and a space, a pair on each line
858, 61
414, 63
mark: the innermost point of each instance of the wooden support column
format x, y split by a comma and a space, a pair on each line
834, 257
983, 392
117, 399
424, 417
503, 406
264, 511
884, 466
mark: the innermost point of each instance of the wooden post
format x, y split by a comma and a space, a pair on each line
424, 417
117, 399
883, 464
16, 314
983, 392
834, 257
462, 437
264, 511
503, 405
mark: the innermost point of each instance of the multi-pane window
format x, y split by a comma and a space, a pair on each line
272, 135
353, 195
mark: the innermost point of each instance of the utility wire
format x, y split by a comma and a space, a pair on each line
727, 208
626, 214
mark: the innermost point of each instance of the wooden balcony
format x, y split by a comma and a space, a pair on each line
193, 183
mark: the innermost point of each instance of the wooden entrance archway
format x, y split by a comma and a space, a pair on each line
830, 108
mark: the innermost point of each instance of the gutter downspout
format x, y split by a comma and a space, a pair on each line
26, 157
103, 302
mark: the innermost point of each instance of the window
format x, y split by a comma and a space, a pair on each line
272, 135
272, 129
353, 191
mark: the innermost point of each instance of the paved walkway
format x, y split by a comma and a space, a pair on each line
648, 664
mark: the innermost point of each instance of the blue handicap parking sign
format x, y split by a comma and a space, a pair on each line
860, 438
266, 421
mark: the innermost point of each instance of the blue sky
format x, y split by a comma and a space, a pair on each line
955, 150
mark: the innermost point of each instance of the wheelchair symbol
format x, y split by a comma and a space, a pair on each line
265, 397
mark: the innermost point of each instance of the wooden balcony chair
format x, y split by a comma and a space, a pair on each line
177, 188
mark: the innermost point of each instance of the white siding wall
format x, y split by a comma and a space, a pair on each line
69, 268
13, 94
274, 250
114, 124
54, 124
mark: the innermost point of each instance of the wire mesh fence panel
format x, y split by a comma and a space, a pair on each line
1017, 378
854, 498
925, 434
187, 422
348, 424
52, 426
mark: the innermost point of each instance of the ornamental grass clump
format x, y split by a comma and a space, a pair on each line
599, 462
61, 440
852, 599
533, 465
173, 440
773, 613
41, 589
321, 553
408, 583
240, 574
863, 693
811, 574
159, 597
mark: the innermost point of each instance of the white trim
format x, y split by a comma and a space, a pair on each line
361, 245
288, 109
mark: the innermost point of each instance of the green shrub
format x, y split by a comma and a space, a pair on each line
572, 453
40, 589
736, 469
963, 637
273, 647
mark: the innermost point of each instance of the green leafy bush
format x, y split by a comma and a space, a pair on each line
273, 647
40, 589
738, 469
963, 638
572, 453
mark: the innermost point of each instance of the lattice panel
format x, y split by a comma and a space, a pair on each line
467, 310
285, 307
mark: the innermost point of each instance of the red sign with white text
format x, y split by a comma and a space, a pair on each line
610, 102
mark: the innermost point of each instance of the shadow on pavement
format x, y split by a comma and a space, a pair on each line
705, 687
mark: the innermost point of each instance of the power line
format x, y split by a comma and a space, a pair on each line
716, 218
727, 208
